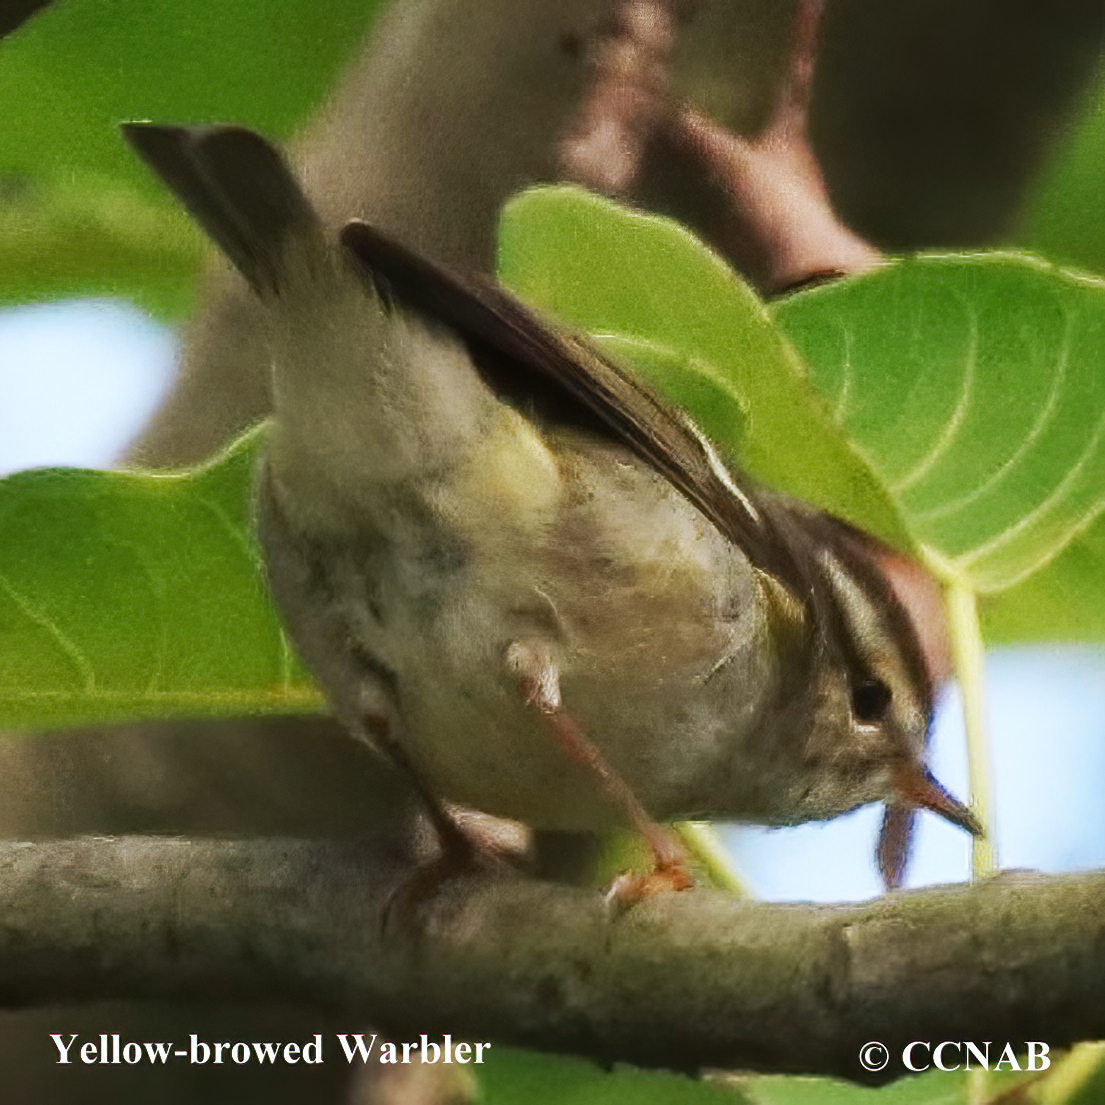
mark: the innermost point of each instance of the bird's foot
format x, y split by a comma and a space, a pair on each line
463, 852
629, 889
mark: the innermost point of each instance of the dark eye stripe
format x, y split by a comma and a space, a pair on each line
852, 553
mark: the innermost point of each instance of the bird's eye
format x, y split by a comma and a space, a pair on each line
870, 698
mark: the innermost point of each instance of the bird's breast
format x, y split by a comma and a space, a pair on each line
655, 624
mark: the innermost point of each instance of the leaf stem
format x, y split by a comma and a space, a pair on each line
1071, 1074
978, 1086
967, 655
701, 839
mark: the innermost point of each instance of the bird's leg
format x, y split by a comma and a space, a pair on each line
539, 682
458, 853
451, 838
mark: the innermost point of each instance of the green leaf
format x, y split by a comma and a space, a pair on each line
79, 68
1064, 601
972, 387
934, 1087
61, 240
687, 381
512, 1075
1075, 1078
76, 206
975, 388
607, 270
127, 596
1061, 216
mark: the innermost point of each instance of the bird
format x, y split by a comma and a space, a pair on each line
528, 580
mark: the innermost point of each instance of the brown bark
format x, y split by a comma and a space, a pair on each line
687, 981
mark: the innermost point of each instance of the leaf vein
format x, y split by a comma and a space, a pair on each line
1046, 415
966, 560
959, 415
840, 411
84, 667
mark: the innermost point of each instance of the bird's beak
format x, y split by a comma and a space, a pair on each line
917, 789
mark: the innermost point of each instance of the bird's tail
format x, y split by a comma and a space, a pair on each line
238, 188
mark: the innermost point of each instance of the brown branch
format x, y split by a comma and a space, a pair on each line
686, 981
626, 97
771, 216
762, 200
789, 123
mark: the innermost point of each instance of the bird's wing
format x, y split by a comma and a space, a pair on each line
534, 364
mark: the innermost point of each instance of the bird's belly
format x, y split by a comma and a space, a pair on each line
665, 669
667, 740
654, 623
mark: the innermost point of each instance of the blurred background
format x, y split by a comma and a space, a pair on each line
940, 125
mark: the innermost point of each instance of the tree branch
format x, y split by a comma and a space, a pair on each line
686, 981
627, 96
761, 200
